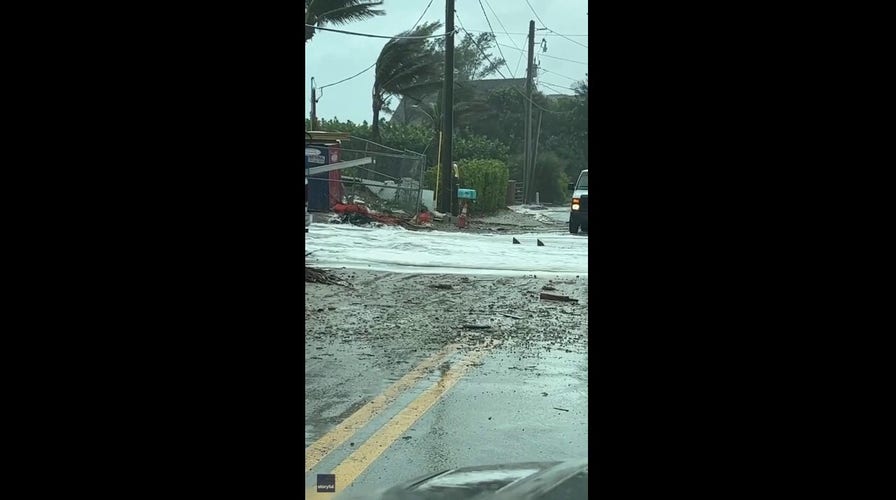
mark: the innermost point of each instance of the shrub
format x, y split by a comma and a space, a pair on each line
479, 148
550, 178
489, 179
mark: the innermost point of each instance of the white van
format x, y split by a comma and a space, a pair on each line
578, 208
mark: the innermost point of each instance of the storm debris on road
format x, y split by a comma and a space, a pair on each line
512, 316
359, 214
313, 275
559, 298
477, 327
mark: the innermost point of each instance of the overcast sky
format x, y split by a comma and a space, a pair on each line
330, 57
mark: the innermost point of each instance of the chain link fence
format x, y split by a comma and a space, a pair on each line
392, 182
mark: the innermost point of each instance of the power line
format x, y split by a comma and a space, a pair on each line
504, 77
502, 24
536, 13
347, 79
380, 36
570, 39
374, 63
495, 38
549, 29
421, 15
545, 55
505, 33
478, 47
520, 58
558, 74
555, 86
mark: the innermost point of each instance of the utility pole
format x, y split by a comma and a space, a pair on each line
527, 155
448, 113
535, 152
313, 105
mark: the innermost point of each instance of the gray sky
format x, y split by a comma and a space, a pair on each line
330, 57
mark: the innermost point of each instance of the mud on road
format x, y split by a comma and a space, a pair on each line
363, 337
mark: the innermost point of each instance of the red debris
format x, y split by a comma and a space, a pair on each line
342, 209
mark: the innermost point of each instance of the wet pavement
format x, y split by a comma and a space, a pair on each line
553, 216
504, 411
414, 368
403, 378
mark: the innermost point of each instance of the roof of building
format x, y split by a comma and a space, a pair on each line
557, 97
405, 113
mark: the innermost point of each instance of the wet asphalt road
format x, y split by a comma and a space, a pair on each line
512, 393
504, 411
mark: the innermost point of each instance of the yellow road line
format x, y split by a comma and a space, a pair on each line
339, 434
367, 453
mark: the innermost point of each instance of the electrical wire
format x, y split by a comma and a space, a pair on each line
558, 74
473, 39
558, 34
556, 86
500, 23
380, 36
520, 58
536, 13
549, 29
374, 63
566, 38
495, 38
421, 15
347, 79
548, 56
534, 104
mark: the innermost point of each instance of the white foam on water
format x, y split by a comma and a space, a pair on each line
425, 252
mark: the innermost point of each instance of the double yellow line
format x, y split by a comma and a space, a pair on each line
340, 434
350, 468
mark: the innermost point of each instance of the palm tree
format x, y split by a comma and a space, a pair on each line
468, 106
414, 68
405, 67
322, 12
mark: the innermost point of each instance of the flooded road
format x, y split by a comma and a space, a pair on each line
402, 251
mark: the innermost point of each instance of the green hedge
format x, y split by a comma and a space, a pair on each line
489, 179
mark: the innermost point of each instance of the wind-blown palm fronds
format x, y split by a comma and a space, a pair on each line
338, 12
405, 67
